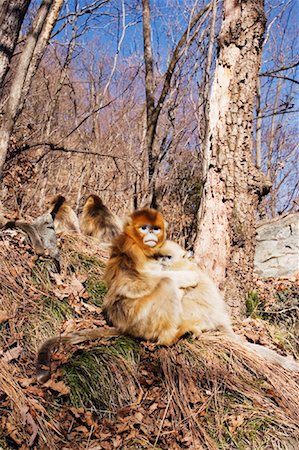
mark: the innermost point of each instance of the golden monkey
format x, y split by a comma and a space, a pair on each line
31, 232
140, 305
64, 217
148, 301
204, 307
97, 221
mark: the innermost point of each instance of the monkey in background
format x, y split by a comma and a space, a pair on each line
154, 302
31, 232
97, 221
64, 217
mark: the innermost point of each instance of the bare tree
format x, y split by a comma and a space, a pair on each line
36, 42
11, 18
233, 186
154, 107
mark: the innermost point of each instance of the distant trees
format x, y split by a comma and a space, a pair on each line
151, 103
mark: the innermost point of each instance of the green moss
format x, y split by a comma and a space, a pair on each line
96, 289
59, 309
254, 306
102, 378
83, 262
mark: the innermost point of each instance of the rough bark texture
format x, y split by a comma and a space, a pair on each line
233, 186
11, 19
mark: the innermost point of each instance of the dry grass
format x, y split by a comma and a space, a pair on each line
209, 394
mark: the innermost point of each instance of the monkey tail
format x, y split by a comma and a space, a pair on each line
273, 357
31, 233
44, 356
266, 353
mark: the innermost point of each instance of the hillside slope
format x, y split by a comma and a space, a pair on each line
123, 394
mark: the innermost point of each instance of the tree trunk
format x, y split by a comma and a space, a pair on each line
11, 18
33, 50
233, 187
153, 109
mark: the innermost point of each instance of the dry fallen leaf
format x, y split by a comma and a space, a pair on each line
4, 316
12, 354
59, 386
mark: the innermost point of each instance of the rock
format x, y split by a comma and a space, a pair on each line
277, 247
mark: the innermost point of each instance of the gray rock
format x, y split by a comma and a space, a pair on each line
277, 247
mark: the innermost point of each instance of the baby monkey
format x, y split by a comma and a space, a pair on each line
204, 308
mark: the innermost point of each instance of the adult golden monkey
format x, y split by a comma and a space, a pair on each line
97, 221
148, 301
64, 217
139, 304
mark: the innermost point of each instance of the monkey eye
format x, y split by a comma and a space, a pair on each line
143, 228
156, 230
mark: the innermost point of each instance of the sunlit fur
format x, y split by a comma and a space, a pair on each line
155, 300
97, 221
141, 301
203, 307
138, 304
64, 217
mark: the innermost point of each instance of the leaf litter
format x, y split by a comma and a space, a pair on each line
123, 394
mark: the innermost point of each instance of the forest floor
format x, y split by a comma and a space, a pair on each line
123, 394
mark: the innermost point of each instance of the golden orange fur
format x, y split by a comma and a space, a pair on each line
97, 221
64, 217
151, 300
138, 304
203, 307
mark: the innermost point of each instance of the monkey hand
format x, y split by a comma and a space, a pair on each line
187, 279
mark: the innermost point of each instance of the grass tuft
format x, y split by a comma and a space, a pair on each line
254, 307
103, 378
96, 289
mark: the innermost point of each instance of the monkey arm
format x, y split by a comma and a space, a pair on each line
182, 278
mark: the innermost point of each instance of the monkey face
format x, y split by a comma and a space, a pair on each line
147, 228
150, 234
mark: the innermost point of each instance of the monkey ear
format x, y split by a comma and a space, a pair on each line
127, 221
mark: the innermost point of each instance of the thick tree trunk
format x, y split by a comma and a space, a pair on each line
32, 52
11, 18
226, 237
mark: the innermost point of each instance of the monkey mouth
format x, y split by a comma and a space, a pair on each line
150, 243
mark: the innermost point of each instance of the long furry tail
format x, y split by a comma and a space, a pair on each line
31, 232
44, 356
266, 353
273, 357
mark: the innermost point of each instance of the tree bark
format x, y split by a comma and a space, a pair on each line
11, 18
233, 187
33, 50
